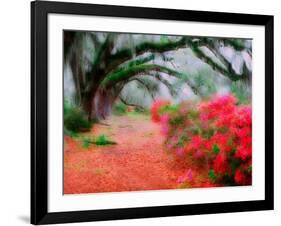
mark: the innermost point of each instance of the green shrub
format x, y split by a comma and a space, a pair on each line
119, 108
75, 120
70, 133
103, 140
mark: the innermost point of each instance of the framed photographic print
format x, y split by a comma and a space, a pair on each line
144, 112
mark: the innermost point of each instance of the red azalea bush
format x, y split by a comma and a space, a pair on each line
157, 108
215, 134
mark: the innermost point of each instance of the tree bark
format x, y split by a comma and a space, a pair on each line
98, 102
88, 101
103, 103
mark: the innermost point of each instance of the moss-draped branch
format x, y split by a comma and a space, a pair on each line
125, 74
227, 70
194, 44
126, 54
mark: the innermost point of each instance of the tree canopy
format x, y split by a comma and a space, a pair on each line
102, 64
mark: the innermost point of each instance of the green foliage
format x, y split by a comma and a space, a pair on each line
122, 74
100, 52
204, 82
248, 170
140, 60
195, 130
169, 109
70, 133
87, 141
228, 180
127, 68
164, 39
216, 149
199, 53
241, 92
207, 133
182, 140
212, 175
75, 120
233, 151
177, 120
193, 114
236, 43
103, 140
119, 108
141, 110
67, 106
234, 164
160, 47
122, 53
199, 80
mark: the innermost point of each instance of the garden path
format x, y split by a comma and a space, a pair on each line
137, 162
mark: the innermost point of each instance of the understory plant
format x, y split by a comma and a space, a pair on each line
215, 134
99, 140
75, 119
120, 109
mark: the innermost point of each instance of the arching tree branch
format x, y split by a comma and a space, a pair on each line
213, 46
129, 104
194, 44
147, 86
122, 75
125, 54
232, 75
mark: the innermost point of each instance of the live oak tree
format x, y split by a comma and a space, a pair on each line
100, 80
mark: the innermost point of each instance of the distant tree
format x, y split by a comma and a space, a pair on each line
109, 71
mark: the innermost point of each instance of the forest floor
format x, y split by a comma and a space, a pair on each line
136, 162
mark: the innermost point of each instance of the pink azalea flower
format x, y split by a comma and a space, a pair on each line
180, 151
198, 154
189, 175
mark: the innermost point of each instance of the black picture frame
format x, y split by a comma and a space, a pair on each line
39, 112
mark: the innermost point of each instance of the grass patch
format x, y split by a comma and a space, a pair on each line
133, 114
143, 111
87, 141
120, 109
136, 115
101, 140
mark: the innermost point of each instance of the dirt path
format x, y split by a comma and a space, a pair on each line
137, 162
